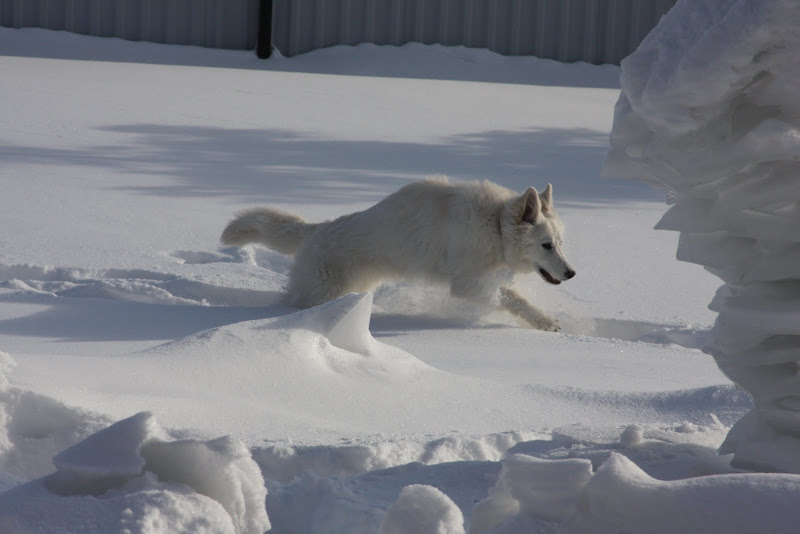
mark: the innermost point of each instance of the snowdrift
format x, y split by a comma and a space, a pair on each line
709, 111
131, 477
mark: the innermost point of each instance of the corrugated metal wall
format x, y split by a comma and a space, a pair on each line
596, 31
211, 23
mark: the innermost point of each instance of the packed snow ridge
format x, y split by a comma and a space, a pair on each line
709, 111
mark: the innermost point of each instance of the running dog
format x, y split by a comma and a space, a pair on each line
454, 233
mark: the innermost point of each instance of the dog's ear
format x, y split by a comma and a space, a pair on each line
547, 199
530, 205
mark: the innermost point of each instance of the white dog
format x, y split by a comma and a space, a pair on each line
460, 234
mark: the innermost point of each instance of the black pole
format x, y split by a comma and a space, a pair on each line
264, 45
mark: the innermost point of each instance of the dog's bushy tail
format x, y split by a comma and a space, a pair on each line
275, 229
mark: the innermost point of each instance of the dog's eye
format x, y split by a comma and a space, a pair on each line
547, 246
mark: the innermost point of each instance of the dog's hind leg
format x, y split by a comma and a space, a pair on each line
514, 303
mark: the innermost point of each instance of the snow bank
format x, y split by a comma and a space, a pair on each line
130, 478
709, 111
620, 497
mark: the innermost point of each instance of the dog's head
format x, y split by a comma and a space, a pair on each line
532, 236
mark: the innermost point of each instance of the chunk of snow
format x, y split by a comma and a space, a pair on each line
128, 475
620, 497
422, 509
632, 436
221, 469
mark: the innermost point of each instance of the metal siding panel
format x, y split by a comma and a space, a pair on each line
300, 38
396, 20
342, 23
565, 38
409, 27
546, 29
198, 14
338, 28
514, 28
79, 17
56, 15
214, 25
103, 18
431, 20
498, 20
526, 33
451, 22
371, 34
251, 37
233, 33
13, 13
319, 24
612, 29
539, 23
590, 32
7, 14
178, 14
281, 22
641, 15
407, 22
29, 13
625, 19
378, 17
357, 22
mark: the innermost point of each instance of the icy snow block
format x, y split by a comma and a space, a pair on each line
221, 469
126, 453
545, 489
622, 498
106, 459
422, 509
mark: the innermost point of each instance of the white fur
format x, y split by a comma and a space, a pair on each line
459, 234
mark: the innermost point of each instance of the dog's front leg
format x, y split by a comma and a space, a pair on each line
514, 303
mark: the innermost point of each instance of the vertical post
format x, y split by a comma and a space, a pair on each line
264, 43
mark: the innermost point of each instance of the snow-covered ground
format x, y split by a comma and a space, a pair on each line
120, 163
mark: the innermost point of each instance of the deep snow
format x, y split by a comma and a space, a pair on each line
121, 163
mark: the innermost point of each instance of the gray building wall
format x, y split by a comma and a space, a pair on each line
596, 31
210, 23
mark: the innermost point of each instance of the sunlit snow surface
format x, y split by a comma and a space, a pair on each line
120, 163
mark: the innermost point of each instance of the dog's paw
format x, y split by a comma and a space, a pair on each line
545, 325
552, 327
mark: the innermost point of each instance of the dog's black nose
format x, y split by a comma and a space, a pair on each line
569, 274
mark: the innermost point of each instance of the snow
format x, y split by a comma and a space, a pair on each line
708, 110
152, 382
130, 477
421, 508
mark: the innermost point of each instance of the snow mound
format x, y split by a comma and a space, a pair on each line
620, 497
422, 509
34, 427
344, 321
130, 478
709, 112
